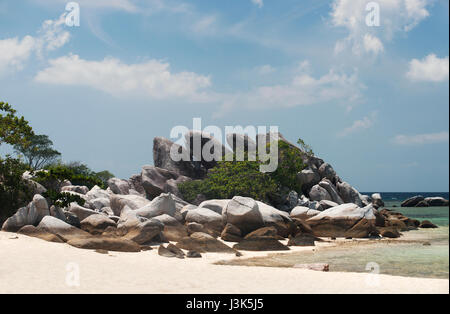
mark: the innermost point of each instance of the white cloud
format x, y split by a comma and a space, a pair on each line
359, 125
259, 3
431, 68
420, 139
373, 44
16, 52
303, 90
206, 25
152, 78
395, 16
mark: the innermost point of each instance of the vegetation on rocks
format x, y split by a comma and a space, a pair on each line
63, 199
231, 178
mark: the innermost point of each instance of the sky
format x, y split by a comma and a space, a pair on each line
365, 83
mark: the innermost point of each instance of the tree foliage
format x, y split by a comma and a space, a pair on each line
243, 178
14, 191
63, 199
14, 130
39, 153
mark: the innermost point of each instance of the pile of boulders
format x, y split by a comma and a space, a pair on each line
132, 215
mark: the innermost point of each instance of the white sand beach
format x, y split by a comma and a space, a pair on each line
30, 265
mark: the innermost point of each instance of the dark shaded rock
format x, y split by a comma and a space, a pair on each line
263, 232
363, 229
427, 225
423, 203
157, 180
260, 244
303, 240
108, 244
437, 201
413, 201
173, 229
199, 142
203, 242
193, 254
170, 251
302, 226
231, 233
162, 159
391, 233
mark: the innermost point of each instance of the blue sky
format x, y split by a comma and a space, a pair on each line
372, 101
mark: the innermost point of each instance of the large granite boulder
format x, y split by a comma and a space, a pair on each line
203, 242
173, 229
337, 221
318, 193
278, 219
138, 229
97, 224
210, 220
349, 194
326, 171
200, 144
107, 244
243, 212
241, 143
332, 191
184, 167
231, 233
157, 180
118, 202
303, 213
215, 205
163, 204
119, 186
61, 229
32, 214
34, 232
80, 211
308, 178
99, 203
97, 192
377, 200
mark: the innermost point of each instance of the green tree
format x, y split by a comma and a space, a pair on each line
39, 152
14, 130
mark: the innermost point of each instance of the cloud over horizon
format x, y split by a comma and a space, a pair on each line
421, 139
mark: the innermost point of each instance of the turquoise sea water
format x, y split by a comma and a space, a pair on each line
409, 257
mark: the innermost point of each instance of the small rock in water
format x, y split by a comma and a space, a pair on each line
426, 244
146, 248
427, 225
316, 267
14, 237
101, 251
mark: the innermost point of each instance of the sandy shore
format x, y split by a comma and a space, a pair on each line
30, 265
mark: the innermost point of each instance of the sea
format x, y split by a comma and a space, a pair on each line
420, 253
